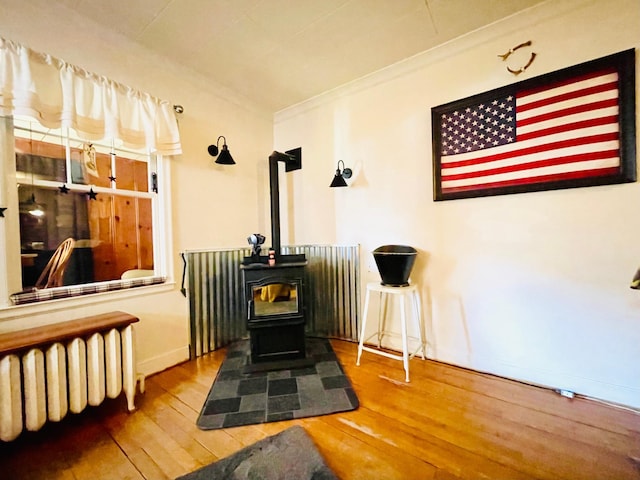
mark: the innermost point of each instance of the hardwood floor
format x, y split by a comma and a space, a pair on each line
448, 423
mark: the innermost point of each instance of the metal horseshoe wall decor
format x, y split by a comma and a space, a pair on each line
506, 55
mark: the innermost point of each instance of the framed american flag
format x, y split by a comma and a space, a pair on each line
571, 128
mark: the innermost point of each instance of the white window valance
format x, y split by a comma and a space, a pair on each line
58, 94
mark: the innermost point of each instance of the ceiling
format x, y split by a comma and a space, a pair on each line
280, 52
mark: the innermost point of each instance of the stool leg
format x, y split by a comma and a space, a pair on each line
405, 347
382, 317
364, 325
417, 315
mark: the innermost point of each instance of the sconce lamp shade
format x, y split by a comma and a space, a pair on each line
338, 179
225, 157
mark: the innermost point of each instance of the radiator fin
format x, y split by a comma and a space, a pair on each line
129, 379
113, 363
77, 364
10, 398
35, 402
95, 369
56, 363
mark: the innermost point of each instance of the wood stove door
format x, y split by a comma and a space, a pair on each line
275, 312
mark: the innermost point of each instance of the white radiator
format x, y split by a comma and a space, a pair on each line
47, 381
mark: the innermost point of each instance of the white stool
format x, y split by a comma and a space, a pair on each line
402, 292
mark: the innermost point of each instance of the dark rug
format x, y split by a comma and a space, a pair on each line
238, 398
290, 454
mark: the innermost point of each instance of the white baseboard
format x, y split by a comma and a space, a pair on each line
162, 362
593, 388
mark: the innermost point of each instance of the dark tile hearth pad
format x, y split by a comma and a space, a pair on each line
238, 398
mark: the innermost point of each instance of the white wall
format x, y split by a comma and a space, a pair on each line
530, 286
212, 206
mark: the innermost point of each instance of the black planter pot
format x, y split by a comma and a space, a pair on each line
394, 263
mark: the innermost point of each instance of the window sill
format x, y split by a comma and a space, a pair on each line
17, 311
55, 293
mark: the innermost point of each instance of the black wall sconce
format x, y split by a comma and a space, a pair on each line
225, 157
338, 180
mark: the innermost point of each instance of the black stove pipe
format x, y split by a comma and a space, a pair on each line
292, 161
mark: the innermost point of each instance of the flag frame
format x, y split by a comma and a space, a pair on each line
622, 62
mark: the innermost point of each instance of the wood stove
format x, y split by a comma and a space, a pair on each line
274, 297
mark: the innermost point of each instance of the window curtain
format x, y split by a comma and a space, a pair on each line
58, 94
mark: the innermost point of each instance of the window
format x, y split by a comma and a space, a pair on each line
104, 197
54, 184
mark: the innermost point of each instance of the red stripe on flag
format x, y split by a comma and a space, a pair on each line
568, 81
593, 122
533, 180
565, 160
612, 102
572, 142
568, 96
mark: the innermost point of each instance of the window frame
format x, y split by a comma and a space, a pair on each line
10, 263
